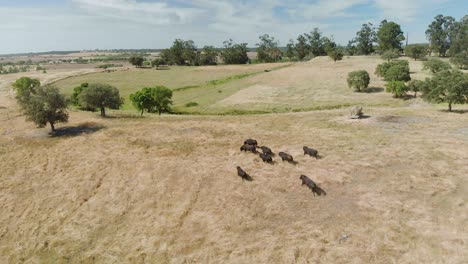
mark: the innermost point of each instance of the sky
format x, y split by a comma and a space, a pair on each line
46, 25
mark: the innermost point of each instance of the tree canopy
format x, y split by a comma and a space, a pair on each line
136, 60
358, 80
435, 65
25, 87
101, 96
448, 86
416, 51
438, 34
389, 36
44, 105
234, 53
267, 49
365, 39
152, 99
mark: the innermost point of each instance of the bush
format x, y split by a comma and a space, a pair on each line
397, 88
435, 65
358, 80
191, 104
460, 60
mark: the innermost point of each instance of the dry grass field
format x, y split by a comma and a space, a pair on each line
165, 190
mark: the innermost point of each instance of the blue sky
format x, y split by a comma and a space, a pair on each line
32, 25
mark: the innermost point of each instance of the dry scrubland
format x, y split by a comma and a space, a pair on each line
165, 190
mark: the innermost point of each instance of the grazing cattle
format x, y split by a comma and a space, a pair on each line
243, 174
266, 150
286, 157
266, 158
311, 152
250, 148
251, 142
311, 184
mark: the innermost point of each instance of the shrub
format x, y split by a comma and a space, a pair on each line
191, 104
397, 88
435, 65
358, 80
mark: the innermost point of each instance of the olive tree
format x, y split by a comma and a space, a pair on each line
358, 80
101, 96
45, 105
448, 86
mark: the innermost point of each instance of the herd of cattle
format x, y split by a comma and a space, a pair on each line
251, 145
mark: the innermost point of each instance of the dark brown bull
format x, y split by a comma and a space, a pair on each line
243, 174
286, 157
266, 158
250, 141
250, 148
266, 150
311, 152
311, 184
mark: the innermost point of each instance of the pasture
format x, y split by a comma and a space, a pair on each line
165, 189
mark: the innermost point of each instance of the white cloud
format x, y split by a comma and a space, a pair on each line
404, 10
143, 12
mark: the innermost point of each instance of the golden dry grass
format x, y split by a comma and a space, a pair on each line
165, 189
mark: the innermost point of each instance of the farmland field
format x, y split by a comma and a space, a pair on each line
165, 189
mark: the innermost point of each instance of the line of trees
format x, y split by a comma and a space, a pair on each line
446, 36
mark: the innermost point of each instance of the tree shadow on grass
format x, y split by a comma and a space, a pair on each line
123, 116
373, 90
85, 128
456, 111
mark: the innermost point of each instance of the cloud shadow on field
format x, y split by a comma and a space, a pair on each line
73, 131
